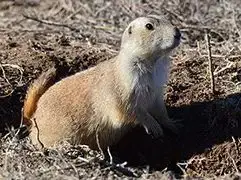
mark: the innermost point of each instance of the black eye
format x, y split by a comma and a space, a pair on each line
149, 26
130, 30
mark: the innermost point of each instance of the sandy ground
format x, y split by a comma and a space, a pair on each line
74, 35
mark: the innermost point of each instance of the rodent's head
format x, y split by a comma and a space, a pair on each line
150, 37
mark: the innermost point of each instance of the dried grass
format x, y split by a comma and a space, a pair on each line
79, 34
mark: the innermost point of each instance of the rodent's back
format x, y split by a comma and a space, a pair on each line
62, 108
76, 107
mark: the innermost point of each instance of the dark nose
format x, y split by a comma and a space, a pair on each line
177, 33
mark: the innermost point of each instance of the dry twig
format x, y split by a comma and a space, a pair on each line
210, 63
16, 67
229, 65
4, 75
233, 162
51, 23
98, 143
36, 125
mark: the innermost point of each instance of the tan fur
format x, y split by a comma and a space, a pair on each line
35, 91
107, 100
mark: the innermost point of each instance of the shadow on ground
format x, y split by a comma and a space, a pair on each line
202, 125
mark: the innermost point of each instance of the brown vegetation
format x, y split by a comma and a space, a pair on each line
74, 35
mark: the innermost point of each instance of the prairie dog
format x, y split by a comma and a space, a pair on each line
102, 103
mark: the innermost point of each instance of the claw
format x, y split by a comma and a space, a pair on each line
147, 130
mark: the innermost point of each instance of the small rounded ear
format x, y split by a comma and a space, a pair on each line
130, 30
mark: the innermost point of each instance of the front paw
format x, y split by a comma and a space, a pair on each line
154, 129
